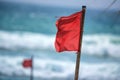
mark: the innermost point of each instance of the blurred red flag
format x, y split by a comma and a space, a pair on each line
27, 63
68, 34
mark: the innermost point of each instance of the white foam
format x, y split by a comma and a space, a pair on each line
100, 70
96, 44
16, 41
47, 68
101, 45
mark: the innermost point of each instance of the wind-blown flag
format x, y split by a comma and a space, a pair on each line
27, 63
68, 34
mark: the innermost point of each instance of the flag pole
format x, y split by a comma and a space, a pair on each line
79, 52
31, 77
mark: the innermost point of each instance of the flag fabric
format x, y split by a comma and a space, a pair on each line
68, 34
27, 63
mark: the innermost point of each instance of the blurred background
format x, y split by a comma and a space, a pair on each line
27, 27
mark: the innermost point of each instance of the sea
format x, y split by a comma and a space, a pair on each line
29, 30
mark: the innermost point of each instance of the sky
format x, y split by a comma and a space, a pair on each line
94, 4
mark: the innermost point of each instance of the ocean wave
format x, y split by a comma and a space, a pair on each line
48, 68
19, 41
94, 44
101, 45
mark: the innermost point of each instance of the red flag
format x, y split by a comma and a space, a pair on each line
68, 34
27, 63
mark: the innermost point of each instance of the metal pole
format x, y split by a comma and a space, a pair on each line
79, 53
31, 77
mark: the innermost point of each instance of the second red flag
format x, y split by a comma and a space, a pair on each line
27, 63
